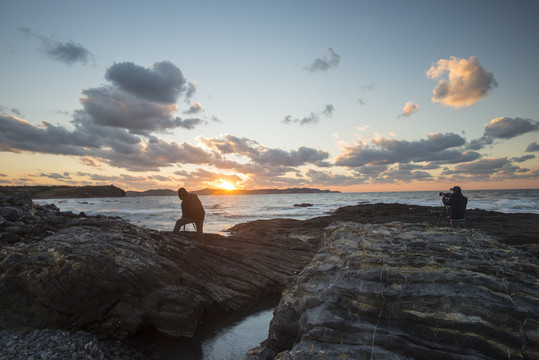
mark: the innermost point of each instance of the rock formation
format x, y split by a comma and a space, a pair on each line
369, 288
107, 276
404, 291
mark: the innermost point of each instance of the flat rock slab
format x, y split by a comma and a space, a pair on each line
402, 291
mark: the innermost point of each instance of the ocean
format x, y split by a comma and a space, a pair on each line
222, 212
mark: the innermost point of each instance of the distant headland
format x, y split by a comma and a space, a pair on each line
208, 191
263, 191
66, 192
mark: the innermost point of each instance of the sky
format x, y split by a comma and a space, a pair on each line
354, 96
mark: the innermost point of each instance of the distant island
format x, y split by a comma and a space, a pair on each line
153, 192
73, 192
65, 192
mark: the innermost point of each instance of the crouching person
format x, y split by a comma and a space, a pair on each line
192, 212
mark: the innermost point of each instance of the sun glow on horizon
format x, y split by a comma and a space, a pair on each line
225, 185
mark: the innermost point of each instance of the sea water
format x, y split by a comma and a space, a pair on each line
224, 211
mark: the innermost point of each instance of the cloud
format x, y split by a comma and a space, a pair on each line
17, 135
189, 124
403, 173
190, 90
523, 158
386, 160
94, 144
194, 109
369, 87
5, 110
140, 100
467, 82
488, 169
483, 166
202, 176
313, 118
491, 169
325, 178
400, 173
503, 128
162, 83
437, 148
328, 111
532, 147
261, 165
507, 128
67, 52
56, 176
324, 63
109, 106
409, 109
267, 157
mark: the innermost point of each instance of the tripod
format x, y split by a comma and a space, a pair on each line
444, 208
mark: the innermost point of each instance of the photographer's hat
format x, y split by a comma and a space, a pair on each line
456, 189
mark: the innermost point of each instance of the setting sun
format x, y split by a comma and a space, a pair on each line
226, 185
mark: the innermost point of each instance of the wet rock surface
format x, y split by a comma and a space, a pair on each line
409, 292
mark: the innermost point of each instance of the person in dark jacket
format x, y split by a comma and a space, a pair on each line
456, 207
192, 212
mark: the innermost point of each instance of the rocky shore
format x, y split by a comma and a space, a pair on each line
365, 289
404, 291
107, 277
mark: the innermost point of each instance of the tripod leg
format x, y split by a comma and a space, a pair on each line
440, 218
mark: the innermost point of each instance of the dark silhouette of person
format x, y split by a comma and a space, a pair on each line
192, 212
456, 207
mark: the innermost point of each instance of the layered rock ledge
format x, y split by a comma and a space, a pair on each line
109, 277
404, 291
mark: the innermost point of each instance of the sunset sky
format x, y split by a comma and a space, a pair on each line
343, 95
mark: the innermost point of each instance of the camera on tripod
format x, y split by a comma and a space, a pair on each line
445, 194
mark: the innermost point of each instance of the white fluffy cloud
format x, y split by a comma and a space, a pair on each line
467, 82
409, 109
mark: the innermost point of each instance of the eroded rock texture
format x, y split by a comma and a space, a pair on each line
409, 292
107, 276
